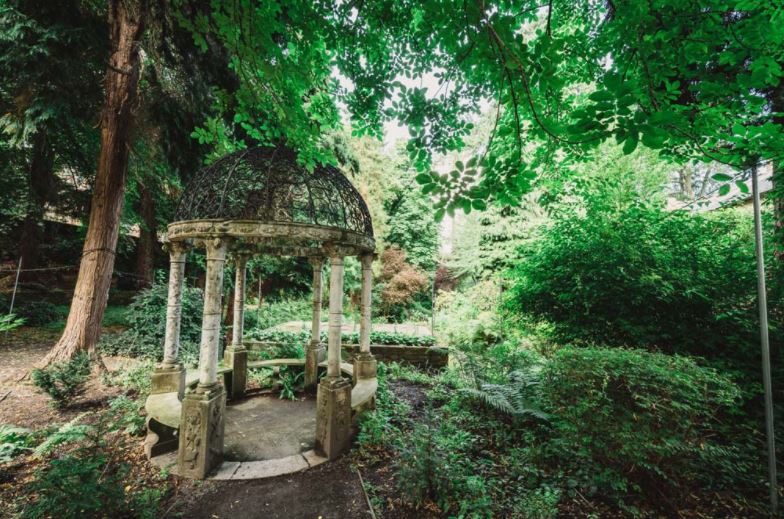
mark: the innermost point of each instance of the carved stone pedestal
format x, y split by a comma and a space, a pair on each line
201, 431
168, 378
333, 416
365, 366
314, 354
237, 359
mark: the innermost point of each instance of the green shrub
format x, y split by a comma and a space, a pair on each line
64, 381
40, 313
630, 421
13, 442
644, 277
273, 313
146, 319
9, 322
432, 465
127, 415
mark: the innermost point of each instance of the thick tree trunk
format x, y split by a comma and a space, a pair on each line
145, 249
40, 185
83, 328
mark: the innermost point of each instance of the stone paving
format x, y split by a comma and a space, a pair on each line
267, 427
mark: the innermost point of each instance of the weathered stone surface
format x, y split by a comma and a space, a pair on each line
433, 357
237, 360
314, 355
333, 417
364, 366
160, 438
270, 468
168, 379
201, 432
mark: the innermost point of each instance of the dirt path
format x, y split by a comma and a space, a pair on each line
329, 491
21, 403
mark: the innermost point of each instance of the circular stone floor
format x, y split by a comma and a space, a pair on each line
267, 427
264, 437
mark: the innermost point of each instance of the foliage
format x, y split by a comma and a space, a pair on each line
432, 465
515, 397
629, 421
69, 432
63, 381
146, 318
399, 282
13, 442
88, 481
273, 313
643, 277
127, 415
39, 313
135, 378
290, 378
10, 321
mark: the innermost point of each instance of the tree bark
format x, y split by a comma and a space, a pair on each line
40, 185
145, 248
83, 328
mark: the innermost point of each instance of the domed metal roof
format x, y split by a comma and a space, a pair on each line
267, 185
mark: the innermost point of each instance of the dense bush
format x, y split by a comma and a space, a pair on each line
146, 318
630, 421
39, 313
643, 277
63, 381
272, 313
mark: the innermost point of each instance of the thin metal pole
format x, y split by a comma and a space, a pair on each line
16, 284
763, 318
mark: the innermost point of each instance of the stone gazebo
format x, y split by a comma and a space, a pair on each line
250, 203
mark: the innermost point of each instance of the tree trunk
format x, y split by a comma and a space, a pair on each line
83, 328
40, 185
145, 249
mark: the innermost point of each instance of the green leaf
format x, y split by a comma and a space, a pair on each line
723, 190
630, 145
742, 186
423, 178
721, 177
479, 205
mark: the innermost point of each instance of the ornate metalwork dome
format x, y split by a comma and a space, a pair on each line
269, 204
268, 185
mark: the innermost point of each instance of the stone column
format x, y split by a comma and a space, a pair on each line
169, 375
315, 350
235, 356
202, 418
333, 405
364, 363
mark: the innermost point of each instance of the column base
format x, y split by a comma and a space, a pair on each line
168, 378
237, 359
201, 431
314, 354
365, 366
333, 416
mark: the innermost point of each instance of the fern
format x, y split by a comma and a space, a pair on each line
69, 432
514, 398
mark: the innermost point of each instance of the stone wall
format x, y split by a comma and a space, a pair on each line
420, 356
423, 357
